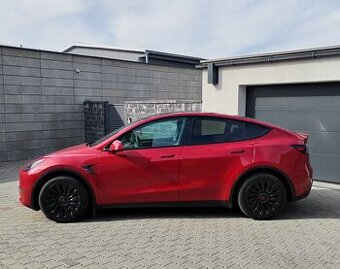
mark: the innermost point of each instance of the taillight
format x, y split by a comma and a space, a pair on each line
301, 147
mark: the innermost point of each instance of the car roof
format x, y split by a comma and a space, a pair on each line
208, 114
216, 115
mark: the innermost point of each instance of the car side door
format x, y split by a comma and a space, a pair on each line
215, 149
147, 170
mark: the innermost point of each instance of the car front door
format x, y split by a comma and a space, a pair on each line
216, 148
147, 170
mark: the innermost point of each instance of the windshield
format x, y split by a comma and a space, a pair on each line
102, 139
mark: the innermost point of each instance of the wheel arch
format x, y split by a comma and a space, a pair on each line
261, 169
55, 173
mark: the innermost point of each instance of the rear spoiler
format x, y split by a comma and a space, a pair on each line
304, 136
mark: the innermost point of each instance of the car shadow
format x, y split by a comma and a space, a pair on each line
163, 213
322, 203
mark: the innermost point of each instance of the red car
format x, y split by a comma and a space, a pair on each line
174, 159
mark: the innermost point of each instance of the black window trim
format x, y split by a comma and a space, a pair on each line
188, 138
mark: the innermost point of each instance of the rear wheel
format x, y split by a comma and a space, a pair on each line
63, 199
262, 196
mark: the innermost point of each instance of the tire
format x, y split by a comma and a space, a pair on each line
64, 199
262, 196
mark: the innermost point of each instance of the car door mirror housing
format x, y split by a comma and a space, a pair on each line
116, 146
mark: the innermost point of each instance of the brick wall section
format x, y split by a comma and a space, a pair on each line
136, 110
41, 95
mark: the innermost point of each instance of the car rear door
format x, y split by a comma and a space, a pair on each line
216, 150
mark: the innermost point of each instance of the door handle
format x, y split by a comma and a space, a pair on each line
238, 151
168, 156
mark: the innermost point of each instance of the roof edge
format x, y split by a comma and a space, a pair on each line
169, 54
102, 48
291, 55
66, 53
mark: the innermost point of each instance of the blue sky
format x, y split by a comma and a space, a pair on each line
205, 28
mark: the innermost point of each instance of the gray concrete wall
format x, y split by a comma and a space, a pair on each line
136, 110
41, 95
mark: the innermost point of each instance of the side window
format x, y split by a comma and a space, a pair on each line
253, 130
162, 133
236, 131
214, 130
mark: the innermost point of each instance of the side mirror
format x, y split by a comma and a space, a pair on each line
116, 146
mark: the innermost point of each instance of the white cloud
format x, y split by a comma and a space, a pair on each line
194, 27
41, 24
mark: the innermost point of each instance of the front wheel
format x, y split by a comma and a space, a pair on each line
63, 199
262, 196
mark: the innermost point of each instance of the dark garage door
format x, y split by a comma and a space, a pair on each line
311, 108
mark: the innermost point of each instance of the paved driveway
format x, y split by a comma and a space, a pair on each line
307, 235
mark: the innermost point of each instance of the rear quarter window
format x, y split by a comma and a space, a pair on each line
254, 130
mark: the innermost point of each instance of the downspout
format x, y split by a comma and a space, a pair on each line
146, 57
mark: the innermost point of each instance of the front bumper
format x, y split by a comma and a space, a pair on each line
26, 182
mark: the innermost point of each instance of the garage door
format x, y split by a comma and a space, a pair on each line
311, 108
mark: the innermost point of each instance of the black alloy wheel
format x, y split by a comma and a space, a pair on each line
262, 196
63, 199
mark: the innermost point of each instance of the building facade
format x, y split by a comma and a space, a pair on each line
42, 95
299, 90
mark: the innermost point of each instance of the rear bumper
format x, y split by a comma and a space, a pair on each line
307, 191
301, 175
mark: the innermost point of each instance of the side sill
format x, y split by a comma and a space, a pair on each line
167, 204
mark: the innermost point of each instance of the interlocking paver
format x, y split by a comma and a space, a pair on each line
307, 235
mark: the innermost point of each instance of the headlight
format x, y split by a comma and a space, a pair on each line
34, 164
